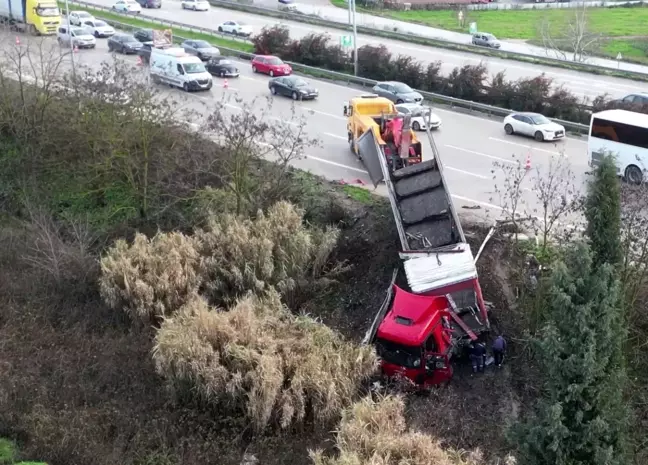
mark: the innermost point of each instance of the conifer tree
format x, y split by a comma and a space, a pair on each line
580, 419
603, 213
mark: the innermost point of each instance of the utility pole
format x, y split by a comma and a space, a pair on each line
355, 40
349, 10
69, 30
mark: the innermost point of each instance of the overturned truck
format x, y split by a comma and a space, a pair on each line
418, 330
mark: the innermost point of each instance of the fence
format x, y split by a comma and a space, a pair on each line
553, 4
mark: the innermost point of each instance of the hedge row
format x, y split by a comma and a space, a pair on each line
469, 82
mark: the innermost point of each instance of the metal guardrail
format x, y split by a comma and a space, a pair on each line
312, 19
356, 80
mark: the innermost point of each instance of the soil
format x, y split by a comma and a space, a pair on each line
77, 384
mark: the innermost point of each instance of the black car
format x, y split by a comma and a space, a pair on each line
292, 86
123, 43
145, 51
144, 35
150, 3
223, 67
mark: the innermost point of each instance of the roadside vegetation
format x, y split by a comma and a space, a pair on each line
170, 296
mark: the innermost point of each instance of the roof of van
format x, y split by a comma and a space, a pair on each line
624, 116
173, 51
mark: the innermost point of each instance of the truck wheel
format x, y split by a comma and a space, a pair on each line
633, 175
33, 31
185, 87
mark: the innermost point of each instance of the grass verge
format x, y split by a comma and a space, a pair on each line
177, 31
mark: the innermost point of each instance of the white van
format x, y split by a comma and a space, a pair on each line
177, 68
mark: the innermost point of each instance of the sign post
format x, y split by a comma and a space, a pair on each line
346, 41
619, 58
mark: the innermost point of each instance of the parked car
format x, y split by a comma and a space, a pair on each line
195, 5
79, 37
238, 29
124, 43
150, 3
98, 28
534, 125
639, 98
144, 35
200, 48
485, 40
397, 92
223, 67
77, 17
268, 64
420, 116
294, 87
127, 6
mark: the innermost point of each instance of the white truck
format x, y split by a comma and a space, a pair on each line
38, 17
175, 67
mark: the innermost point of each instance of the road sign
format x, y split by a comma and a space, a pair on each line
460, 15
619, 57
346, 41
473, 28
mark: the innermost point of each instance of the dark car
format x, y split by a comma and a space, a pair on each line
145, 52
144, 35
150, 3
200, 48
397, 92
294, 87
123, 43
223, 67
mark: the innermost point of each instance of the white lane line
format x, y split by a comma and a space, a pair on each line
530, 147
336, 136
284, 120
233, 107
477, 202
325, 113
503, 160
339, 165
467, 173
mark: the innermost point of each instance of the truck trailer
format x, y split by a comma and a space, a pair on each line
37, 17
419, 329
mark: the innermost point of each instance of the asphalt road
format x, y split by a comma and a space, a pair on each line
581, 84
469, 145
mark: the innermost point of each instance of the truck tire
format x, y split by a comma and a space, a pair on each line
633, 175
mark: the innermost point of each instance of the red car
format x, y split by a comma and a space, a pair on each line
268, 64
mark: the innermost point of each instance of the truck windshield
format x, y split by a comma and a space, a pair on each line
194, 68
47, 10
404, 356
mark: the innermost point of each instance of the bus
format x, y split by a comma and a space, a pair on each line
624, 135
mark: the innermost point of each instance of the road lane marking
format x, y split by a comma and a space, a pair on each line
325, 113
526, 146
468, 173
503, 160
477, 202
339, 165
336, 136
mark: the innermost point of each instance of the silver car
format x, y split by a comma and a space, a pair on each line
397, 92
80, 37
485, 40
200, 48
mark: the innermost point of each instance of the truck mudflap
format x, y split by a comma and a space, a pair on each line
370, 152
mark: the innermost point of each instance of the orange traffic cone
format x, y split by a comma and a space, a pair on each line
139, 60
76, 49
527, 165
17, 40
225, 84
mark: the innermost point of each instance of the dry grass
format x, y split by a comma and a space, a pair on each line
375, 433
150, 278
274, 250
258, 357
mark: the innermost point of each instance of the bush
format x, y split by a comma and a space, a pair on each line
316, 50
375, 433
467, 82
375, 62
151, 278
258, 358
275, 250
272, 41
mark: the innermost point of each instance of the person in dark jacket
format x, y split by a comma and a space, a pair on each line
477, 356
499, 349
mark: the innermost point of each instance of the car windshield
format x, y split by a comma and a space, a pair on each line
202, 44
402, 88
539, 119
83, 14
128, 39
275, 61
404, 356
100, 24
490, 36
300, 83
194, 68
224, 62
47, 11
77, 31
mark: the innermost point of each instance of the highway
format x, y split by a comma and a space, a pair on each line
469, 145
581, 84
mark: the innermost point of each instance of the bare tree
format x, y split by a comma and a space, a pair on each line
510, 192
573, 38
249, 140
634, 234
557, 196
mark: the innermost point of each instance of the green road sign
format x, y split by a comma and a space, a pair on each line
473, 28
346, 41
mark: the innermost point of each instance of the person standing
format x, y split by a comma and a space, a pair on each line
477, 356
499, 349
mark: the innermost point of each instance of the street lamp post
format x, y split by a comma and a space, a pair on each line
355, 39
69, 30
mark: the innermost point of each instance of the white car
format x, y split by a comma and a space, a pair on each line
127, 6
80, 37
421, 116
78, 17
232, 27
533, 125
98, 28
195, 5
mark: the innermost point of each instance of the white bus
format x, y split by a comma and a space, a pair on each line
624, 135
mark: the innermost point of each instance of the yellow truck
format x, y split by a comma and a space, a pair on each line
392, 135
38, 17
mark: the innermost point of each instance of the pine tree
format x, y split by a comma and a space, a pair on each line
603, 213
581, 419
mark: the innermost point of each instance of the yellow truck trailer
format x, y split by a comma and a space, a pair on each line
37, 17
